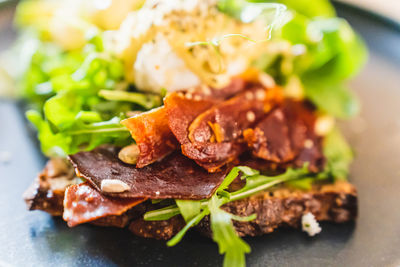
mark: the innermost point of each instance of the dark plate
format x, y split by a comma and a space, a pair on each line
37, 239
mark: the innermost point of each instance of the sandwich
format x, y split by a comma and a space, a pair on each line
217, 116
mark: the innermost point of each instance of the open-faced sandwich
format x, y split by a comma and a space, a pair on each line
166, 115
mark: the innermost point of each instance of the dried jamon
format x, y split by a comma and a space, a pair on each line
269, 140
83, 203
306, 144
152, 134
176, 176
215, 136
286, 136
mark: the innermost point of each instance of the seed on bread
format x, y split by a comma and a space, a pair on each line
129, 154
113, 186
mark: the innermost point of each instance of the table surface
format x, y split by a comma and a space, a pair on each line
37, 239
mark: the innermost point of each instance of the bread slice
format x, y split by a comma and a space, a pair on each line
47, 191
281, 207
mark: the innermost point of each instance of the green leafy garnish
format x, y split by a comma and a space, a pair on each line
188, 208
147, 101
79, 136
76, 96
225, 236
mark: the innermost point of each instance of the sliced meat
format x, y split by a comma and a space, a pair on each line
47, 191
226, 121
182, 111
183, 107
83, 203
175, 176
286, 136
211, 133
300, 120
269, 140
306, 144
151, 132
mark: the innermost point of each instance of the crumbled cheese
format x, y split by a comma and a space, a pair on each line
114, 186
157, 66
310, 225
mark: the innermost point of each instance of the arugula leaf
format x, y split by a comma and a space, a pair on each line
188, 208
74, 93
304, 183
193, 222
51, 143
62, 109
225, 236
258, 183
162, 214
79, 136
148, 101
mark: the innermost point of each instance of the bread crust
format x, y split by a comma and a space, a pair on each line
282, 207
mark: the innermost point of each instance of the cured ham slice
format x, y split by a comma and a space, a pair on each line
83, 203
151, 132
176, 176
211, 133
270, 138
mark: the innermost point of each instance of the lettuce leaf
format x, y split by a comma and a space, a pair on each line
78, 97
81, 135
